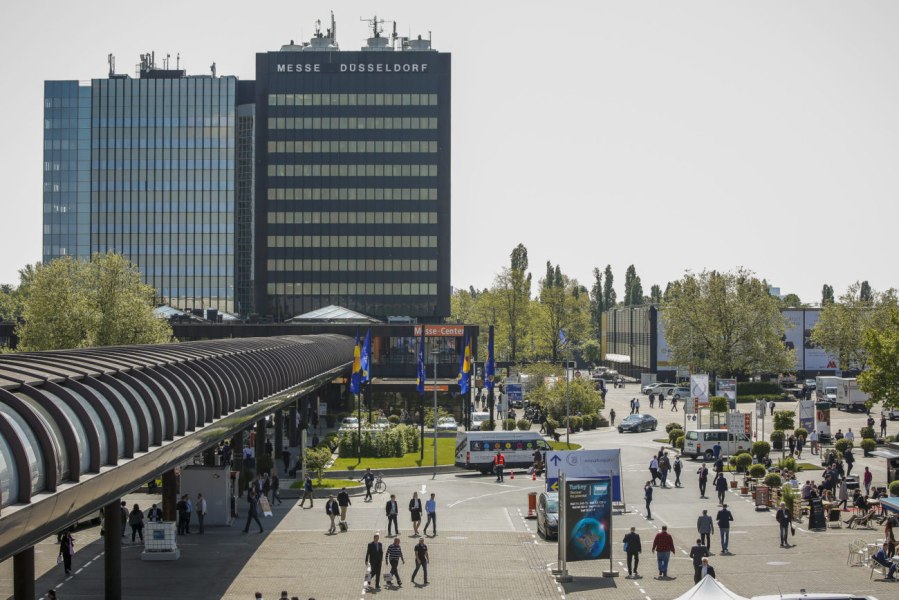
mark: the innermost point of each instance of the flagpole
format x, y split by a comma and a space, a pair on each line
434, 352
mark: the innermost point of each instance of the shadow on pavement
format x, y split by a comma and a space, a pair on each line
584, 584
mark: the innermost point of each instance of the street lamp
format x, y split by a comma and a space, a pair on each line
568, 403
434, 353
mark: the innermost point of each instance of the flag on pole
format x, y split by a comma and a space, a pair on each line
422, 374
465, 367
563, 339
490, 367
365, 358
356, 374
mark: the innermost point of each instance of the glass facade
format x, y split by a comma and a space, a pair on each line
246, 140
353, 201
631, 332
66, 194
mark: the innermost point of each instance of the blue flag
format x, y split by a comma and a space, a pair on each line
422, 374
562, 338
465, 367
365, 358
355, 376
490, 367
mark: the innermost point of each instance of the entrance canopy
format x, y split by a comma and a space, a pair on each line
891, 504
709, 589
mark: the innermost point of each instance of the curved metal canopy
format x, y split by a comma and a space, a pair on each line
80, 426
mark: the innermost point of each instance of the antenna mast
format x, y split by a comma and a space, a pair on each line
374, 22
333, 29
111, 59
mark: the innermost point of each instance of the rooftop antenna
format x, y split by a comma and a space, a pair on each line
333, 29
178, 61
212, 68
393, 36
111, 59
374, 22
166, 63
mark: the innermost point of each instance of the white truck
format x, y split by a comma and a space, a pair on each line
826, 389
849, 396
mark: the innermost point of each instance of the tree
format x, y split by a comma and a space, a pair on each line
584, 400
864, 292
552, 300
633, 289
881, 378
826, 295
726, 323
608, 291
513, 290
792, 301
655, 294
596, 305
78, 304
10, 303
841, 327
563, 306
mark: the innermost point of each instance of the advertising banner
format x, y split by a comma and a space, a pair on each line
699, 389
738, 422
815, 358
514, 392
585, 463
588, 519
728, 389
807, 414
822, 418
760, 407
816, 518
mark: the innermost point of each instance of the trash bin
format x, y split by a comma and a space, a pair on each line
532, 505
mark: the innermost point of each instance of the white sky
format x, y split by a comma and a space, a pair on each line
671, 135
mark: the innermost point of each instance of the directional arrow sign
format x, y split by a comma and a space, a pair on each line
586, 464
552, 485
555, 460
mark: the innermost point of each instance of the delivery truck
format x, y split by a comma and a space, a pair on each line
826, 388
849, 396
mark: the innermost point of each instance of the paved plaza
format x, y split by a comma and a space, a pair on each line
485, 545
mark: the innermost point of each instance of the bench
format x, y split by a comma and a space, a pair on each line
558, 433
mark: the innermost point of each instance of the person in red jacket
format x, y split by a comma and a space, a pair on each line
663, 546
499, 463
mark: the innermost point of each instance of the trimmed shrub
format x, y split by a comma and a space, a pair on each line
679, 442
587, 422
551, 425
393, 419
674, 434
757, 471
894, 488
488, 425
718, 404
777, 439
788, 495
671, 426
524, 424
773, 480
842, 445
742, 462
508, 424
867, 432
784, 420
868, 445
788, 463
761, 449
800, 432
601, 421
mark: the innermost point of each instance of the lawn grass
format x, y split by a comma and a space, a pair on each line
564, 446
325, 483
446, 448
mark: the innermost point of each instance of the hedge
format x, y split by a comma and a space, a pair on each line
766, 397
679, 442
894, 488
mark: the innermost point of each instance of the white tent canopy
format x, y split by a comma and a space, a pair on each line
709, 589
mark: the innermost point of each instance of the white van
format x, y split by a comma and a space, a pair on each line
477, 418
475, 449
700, 442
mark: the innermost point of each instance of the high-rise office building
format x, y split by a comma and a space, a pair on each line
325, 181
353, 202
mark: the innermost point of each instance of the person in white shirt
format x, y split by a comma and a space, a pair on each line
813, 440
849, 435
201, 510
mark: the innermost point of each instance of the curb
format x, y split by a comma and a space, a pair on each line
397, 472
321, 494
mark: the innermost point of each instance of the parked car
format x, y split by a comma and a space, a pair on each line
477, 418
890, 413
548, 515
349, 424
681, 393
447, 424
658, 388
811, 384
380, 423
638, 423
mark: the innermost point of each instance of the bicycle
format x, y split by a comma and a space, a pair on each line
380, 485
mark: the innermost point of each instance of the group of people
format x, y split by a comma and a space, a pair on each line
661, 398
663, 547
376, 556
185, 508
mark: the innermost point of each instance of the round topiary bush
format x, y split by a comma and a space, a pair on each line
800, 432
576, 423
788, 463
679, 442
757, 471
393, 419
777, 439
524, 424
742, 462
894, 488
868, 445
867, 432
773, 480
842, 445
671, 426
761, 449
587, 422
508, 424
488, 425
674, 434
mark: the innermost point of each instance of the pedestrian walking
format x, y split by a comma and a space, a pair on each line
661, 400
136, 520
374, 555
724, 519
183, 512
771, 408
392, 510
663, 546
201, 511
266, 485
698, 553
652, 400
636, 405
784, 519
415, 512
849, 458
422, 558
664, 467
813, 441
394, 556
867, 478
674, 404
66, 550
431, 509
791, 444
611, 417
800, 444
720, 487
369, 480
706, 527
703, 473
678, 466
343, 500
633, 400
285, 460
705, 570
252, 511
647, 495
654, 469
499, 463
716, 449
307, 491
123, 510
843, 494
883, 425
632, 548
188, 513
332, 509
276, 489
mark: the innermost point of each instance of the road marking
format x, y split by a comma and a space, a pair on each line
457, 502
